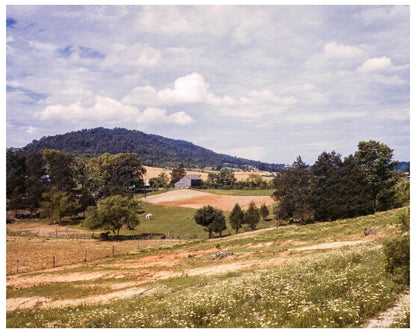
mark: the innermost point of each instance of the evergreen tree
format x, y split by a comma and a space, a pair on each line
293, 191
252, 216
236, 217
264, 211
326, 197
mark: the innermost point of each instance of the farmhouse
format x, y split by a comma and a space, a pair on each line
189, 181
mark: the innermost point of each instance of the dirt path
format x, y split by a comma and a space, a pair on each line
394, 314
197, 199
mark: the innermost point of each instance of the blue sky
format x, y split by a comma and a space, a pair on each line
261, 82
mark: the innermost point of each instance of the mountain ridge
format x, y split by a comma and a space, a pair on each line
153, 150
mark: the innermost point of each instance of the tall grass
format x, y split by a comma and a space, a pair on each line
340, 289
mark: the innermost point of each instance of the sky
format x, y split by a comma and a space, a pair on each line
267, 83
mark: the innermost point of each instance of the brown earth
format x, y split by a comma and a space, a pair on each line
149, 268
197, 199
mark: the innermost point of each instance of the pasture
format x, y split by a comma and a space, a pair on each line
319, 275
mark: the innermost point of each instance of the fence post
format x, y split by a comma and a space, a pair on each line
113, 250
53, 261
138, 247
85, 256
17, 266
56, 232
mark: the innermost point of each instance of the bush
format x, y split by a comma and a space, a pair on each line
397, 256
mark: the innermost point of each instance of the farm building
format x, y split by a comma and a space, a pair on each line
189, 181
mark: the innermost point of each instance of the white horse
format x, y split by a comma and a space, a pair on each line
149, 217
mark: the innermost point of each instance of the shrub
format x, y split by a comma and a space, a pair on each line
397, 256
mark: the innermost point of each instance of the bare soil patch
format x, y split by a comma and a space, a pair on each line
36, 253
195, 199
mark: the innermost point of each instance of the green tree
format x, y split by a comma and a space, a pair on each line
294, 191
177, 173
35, 186
236, 217
113, 213
59, 168
376, 161
15, 174
264, 211
252, 216
325, 190
58, 204
226, 178
127, 171
212, 219
162, 180
212, 180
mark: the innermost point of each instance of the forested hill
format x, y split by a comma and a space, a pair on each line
153, 150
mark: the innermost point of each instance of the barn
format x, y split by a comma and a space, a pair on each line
189, 181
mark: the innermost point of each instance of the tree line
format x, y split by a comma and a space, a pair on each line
333, 188
213, 219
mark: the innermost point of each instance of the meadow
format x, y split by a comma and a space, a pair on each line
318, 275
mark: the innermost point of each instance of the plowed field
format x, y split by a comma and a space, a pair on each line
196, 199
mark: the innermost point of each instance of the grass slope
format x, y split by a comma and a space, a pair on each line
305, 286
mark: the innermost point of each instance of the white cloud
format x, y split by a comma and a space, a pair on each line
104, 108
375, 65
155, 116
191, 88
341, 51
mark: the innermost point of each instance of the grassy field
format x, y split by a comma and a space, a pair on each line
319, 275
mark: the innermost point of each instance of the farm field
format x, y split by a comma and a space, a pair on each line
197, 199
318, 275
203, 174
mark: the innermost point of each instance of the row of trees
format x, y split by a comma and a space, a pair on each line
333, 188
64, 185
213, 219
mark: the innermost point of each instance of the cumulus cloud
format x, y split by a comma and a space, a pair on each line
108, 111
193, 88
104, 108
375, 65
159, 116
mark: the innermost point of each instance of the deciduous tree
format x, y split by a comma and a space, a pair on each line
212, 219
113, 213
376, 161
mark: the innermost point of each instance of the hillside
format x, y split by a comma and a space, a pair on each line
154, 150
323, 275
